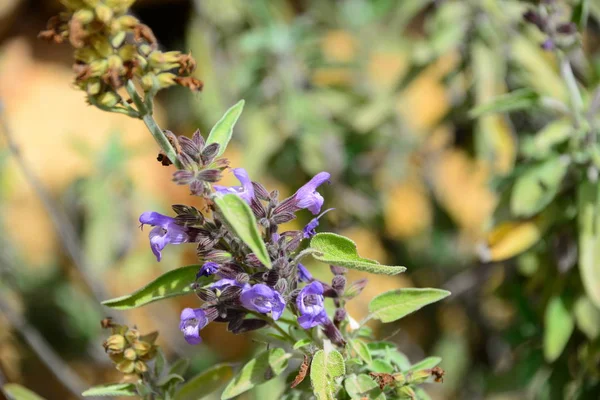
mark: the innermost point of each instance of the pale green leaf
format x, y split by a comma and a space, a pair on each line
180, 366
362, 350
264, 367
173, 283
395, 304
302, 343
322, 387
588, 199
358, 386
18, 392
335, 364
381, 366
544, 142
339, 250
587, 317
558, 327
223, 129
240, 218
536, 188
205, 382
426, 363
112, 389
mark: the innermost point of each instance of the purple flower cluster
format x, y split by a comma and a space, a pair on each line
235, 287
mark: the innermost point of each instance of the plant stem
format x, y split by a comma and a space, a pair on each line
155, 130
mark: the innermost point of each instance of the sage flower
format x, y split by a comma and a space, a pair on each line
245, 191
310, 229
191, 322
303, 274
166, 231
263, 299
209, 268
308, 197
310, 305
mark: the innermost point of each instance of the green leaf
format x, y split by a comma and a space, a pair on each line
426, 363
395, 304
519, 99
169, 379
588, 200
339, 250
543, 143
301, 343
362, 350
240, 218
558, 326
580, 14
173, 283
381, 366
18, 392
180, 366
536, 188
261, 369
323, 369
112, 389
358, 386
587, 317
205, 382
223, 129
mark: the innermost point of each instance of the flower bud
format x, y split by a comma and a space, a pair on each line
86, 55
127, 21
93, 87
339, 316
98, 67
83, 16
103, 13
128, 52
166, 79
101, 45
126, 366
118, 39
418, 377
141, 348
147, 81
115, 343
145, 49
161, 58
129, 354
132, 335
140, 367
355, 289
108, 99
338, 283
406, 392
115, 62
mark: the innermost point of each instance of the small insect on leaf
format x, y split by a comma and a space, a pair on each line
438, 374
301, 372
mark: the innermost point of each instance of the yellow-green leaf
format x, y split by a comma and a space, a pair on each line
223, 129
558, 326
339, 250
173, 283
395, 304
112, 390
588, 199
205, 382
18, 392
240, 218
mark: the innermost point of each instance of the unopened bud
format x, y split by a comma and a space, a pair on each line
418, 377
132, 335
93, 87
338, 283
126, 366
147, 81
166, 79
129, 354
98, 67
339, 316
127, 52
118, 39
160, 58
145, 50
127, 21
140, 367
103, 13
355, 289
336, 270
115, 62
108, 99
141, 348
406, 392
102, 46
115, 343
84, 16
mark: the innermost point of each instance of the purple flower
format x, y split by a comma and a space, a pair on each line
246, 191
310, 305
263, 299
223, 283
308, 197
209, 268
191, 322
303, 274
310, 229
165, 231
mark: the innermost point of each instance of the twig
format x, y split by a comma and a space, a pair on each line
62, 224
55, 364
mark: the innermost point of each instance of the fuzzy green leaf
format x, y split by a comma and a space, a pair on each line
536, 188
173, 283
358, 386
426, 363
362, 350
205, 382
323, 369
261, 369
240, 218
339, 250
558, 327
302, 343
223, 129
18, 392
112, 389
395, 304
